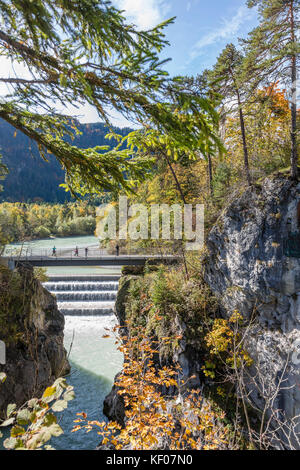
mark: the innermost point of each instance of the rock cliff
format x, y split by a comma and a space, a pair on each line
253, 266
32, 328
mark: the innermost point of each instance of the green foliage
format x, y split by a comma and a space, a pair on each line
35, 424
40, 274
159, 300
3, 172
39, 180
226, 75
220, 181
272, 44
42, 232
228, 82
161, 296
199, 122
164, 149
90, 55
2, 380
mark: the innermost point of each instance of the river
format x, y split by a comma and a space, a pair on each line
86, 296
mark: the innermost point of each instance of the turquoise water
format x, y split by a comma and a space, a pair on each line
48, 243
83, 270
94, 361
91, 390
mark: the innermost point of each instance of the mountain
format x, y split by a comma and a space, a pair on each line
30, 178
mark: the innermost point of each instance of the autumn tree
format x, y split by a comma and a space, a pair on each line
273, 54
152, 420
267, 119
227, 80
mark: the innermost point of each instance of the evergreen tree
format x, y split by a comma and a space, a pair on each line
273, 54
201, 86
228, 82
77, 52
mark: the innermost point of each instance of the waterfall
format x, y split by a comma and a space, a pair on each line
84, 295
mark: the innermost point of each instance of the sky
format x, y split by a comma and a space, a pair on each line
201, 30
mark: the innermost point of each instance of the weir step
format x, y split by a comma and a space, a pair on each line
95, 278
87, 312
77, 296
77, 286
84, 295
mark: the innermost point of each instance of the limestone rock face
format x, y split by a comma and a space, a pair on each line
37, 357
249, 268
113, 405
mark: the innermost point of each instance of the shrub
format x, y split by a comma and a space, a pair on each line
42, 232
35, 423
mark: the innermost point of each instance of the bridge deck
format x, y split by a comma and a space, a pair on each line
122, 260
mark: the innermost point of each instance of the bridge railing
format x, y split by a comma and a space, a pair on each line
92, 252
58, 253
46, 254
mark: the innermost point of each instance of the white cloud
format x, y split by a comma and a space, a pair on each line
11, 69
145, 14
88, 114
227, 30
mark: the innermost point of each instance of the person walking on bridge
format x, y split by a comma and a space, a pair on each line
76, 251
117, 250
54, 251
86, 252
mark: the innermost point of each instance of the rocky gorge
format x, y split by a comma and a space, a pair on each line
251, 265
32, 329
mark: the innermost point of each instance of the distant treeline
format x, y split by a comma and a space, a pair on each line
20, 221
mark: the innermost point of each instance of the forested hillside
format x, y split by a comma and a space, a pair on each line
30, 178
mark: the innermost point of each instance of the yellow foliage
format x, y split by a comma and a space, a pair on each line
152, 421
224, 341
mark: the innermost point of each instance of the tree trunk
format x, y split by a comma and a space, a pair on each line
211, 189
294, 152
245, 148
184, 202
175, 178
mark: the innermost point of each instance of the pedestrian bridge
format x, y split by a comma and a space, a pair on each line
104, 260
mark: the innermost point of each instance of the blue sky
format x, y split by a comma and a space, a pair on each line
201, 29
